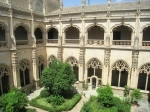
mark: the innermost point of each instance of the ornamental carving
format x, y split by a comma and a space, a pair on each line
3, 71
72, 61
40, 61
107, 58
14, 60
95, 64
135, 59
81, 56
120, 66
145, 69
59, 54
23, 65
51, 58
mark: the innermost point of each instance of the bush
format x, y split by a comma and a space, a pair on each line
31, 110
55, 100
105, 96
44, 93
126, 91
14, 101
136, 95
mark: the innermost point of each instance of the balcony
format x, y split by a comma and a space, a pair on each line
122, 42
21, 42
3, 44
95, 42
145, 43
39, 41
52, 41
72, 41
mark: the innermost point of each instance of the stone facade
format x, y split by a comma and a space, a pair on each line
103, 43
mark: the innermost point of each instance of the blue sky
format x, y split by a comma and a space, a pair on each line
68, 3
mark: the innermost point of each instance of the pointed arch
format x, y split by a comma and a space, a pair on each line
69, 26
92, 25
120, 73
4, 26
40, 27
145, 26
27, 28
118, 25
50, 27
94, 63
144, 77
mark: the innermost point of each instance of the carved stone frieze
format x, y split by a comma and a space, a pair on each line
81, 56
34, 56
107, 57
135, 59
59, 54
14, 60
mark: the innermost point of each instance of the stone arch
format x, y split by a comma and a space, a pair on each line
143, 81
92, 25
50, 27
24, 72
145, 26
3, 32
95, 59
120, 73
69, 26
23, 25
4, 79
118, 25
40, 27
41, 59
4, 26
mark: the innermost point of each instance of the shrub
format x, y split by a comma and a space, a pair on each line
55, 100
126, 91
14, 101
136, 95
105, 96
44, 93
31, 110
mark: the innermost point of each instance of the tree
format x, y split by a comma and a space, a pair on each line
14, 101
58, 77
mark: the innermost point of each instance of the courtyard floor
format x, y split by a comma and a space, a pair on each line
144, 105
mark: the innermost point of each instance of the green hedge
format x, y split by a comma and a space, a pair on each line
68, 105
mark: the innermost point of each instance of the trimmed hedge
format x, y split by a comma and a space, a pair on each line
64, 107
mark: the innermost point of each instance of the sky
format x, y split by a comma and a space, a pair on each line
69, 3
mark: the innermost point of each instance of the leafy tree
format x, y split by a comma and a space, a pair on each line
58, 77
14, 101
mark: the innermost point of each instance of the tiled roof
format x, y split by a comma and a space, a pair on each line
103, 7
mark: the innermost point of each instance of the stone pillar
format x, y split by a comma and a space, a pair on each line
106, 71
15, 69
133, 74
35, 69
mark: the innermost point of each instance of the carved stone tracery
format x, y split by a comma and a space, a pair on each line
120, 66
3, 71
95, 64
72, 61
145, 69
51, 58
23, 65
135, 59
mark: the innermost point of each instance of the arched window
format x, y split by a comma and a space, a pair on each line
146, 33
38, 33
120, 72
96, 33
74, 64
72, 33
94, 68
2, 37
24, 70
40, 65
51, 58
21, 33
122, 35
4, 79
53, 33
144, 78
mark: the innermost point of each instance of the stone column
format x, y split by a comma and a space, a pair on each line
134, 69
15, 69
35, 69
106, 71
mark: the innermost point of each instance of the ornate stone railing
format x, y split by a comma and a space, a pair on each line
72, 41
39, 41
121, 42
21, 42
3, 44
145, 43
52, 41
95, 42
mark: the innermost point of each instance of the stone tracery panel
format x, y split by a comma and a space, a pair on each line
94, 63
72, 61
51, 58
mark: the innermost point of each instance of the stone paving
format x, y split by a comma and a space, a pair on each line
143, 104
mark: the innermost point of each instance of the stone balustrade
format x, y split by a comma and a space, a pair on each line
39, 41
95, 42
52, 41
145, 43
21, 42
72, 41
2, 43
121, 42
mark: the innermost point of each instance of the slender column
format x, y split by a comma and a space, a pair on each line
15, 69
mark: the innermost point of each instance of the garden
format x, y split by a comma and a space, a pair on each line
107, 102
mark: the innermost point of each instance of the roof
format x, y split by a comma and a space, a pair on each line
103, 7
